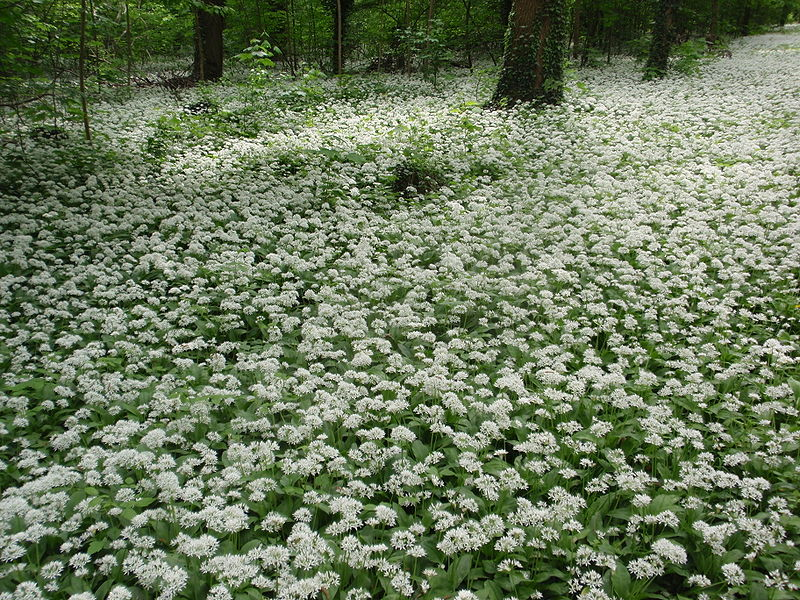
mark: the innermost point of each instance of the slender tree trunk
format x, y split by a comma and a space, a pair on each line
713, 33
658, 61
208, 43
95, 58
279, 26
87, 132
128, 43
747, 14
576, 31
593, 34
341, 10
785, 9
199, 68
468, 31
428, 64
406, 45
533, 69
314, 40
339, 20
293, 54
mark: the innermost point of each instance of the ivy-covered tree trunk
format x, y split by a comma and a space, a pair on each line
533, 61
658, 60
208, 41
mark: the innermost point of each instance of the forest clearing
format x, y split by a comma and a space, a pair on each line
363, 337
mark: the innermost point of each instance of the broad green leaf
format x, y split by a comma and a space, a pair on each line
621, 580
758, 591
460, 569
96, 546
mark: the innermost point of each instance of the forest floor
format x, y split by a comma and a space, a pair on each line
365, 339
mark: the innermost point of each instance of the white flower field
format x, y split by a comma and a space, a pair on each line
365, 339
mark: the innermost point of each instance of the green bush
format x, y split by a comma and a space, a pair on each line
688, 57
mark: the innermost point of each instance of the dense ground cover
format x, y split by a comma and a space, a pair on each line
243, 359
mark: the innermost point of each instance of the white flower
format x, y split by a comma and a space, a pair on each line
733, 574
220, 592
669, 551
119, 592
400, 433
273, 522
200, 547
646, 568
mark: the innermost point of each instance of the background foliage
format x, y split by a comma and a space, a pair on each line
39, 39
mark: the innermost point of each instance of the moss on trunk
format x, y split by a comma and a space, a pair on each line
658, 60
533, 69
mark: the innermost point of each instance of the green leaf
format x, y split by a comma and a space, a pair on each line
104, 589
144, 502
128, 514
419, 449
758, 591
96, 546
460, 569
440, 585
663, 502
490, 591
621, 580
355, 157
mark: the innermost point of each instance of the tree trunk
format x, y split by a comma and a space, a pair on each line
713, 33
575, 36
468, 31
505, 12
292, 54
533, 69
785, 10
338, 38
128, 43
341, 10
208, 42
87, 132
658, 61
427, 65
747, 14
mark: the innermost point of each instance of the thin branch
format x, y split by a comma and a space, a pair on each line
24, 102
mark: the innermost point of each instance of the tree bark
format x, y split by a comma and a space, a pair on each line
468, 31
785, 10
658, 61
128, 43
208, 43
747, 14
427, 67
713, 33
341, 10
87, 132
575, 35
533, 69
